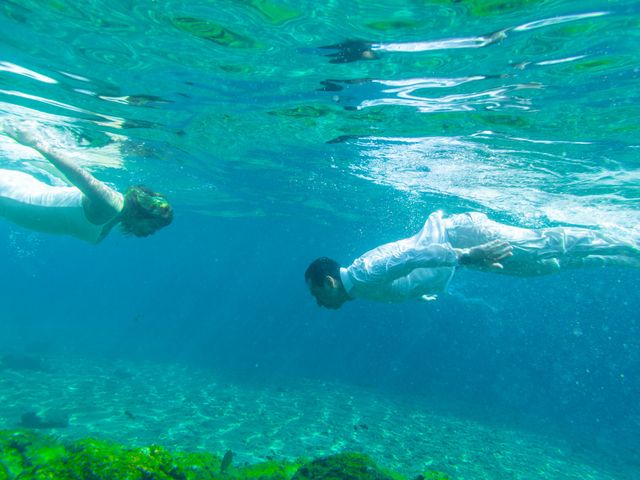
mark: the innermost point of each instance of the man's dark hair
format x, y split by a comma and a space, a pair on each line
319, 269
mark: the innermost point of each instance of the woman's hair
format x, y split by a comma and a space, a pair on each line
144, 212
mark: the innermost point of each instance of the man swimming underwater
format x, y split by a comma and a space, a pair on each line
421, 266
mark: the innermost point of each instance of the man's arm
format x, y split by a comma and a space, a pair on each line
488, 255
391, 261
103, 199
394, 260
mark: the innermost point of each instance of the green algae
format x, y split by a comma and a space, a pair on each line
26, 455
271, 470
434, 476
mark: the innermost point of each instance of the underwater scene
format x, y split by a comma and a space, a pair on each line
178, 331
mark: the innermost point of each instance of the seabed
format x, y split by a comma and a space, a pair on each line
160, 421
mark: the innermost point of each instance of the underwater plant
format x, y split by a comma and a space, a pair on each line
27, 455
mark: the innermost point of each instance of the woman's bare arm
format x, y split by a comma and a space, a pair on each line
103, 200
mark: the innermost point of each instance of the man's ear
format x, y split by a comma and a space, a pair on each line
330, 281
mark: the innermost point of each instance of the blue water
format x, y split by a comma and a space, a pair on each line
275, 150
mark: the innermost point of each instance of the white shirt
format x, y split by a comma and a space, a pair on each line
36, 205
423, 265
413, 267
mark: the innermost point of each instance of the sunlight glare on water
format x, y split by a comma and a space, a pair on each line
522, 108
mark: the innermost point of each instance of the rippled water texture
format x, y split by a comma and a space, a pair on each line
323, 109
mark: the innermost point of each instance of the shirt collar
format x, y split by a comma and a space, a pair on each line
346, 280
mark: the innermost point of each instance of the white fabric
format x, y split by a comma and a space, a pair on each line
546, 250
409, 268
423, 265
33, 204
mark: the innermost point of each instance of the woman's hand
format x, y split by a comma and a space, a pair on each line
488, 255
21, 133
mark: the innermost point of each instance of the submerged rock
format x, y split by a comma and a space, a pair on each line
20, 361
343, 466
227, 460
48, 419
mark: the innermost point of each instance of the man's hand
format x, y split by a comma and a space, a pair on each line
488, 255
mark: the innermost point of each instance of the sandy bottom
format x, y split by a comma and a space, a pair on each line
184, 408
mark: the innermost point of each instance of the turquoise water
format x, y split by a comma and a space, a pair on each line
282, 131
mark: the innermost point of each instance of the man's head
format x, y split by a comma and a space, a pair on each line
323, 279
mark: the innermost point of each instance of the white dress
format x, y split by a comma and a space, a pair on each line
36, 205
423, 265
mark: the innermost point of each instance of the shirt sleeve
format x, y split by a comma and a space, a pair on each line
396, 260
